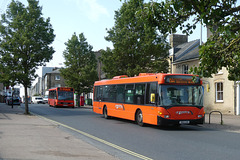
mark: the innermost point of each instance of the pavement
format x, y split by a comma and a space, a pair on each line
30, 137
230, 123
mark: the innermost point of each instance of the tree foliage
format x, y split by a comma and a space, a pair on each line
223, 19
81, 64
137, 45
25, 38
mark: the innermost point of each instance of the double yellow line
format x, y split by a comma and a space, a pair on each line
100, 140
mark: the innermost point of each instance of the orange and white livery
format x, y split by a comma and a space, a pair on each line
158, 99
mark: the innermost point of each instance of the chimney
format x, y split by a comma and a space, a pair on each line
177, 39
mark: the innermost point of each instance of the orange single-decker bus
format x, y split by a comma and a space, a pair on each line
61, 97
158, 99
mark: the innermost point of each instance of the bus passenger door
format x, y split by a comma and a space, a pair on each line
151, 100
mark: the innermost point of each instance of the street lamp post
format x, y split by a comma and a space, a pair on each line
12, 95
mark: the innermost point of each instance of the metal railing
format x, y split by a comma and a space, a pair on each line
217, 112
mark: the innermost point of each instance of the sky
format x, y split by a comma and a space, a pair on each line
90, 17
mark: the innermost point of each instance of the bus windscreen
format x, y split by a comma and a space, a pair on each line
65, 95
181, 95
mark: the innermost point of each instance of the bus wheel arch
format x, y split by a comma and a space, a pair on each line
139, 117
105, 114
55, 105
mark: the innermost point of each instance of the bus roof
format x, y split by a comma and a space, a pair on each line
62, 89
144, 77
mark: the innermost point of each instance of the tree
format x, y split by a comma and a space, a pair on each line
223, 19
25, 37
81, 65
137, 46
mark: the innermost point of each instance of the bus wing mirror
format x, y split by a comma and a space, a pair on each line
153, 98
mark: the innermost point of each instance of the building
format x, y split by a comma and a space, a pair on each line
183, 54
44, 71
38, 88
53, 79
220, 94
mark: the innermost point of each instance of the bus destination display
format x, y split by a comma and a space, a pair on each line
182, 80
65, 89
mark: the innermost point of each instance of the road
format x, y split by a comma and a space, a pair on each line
160, 143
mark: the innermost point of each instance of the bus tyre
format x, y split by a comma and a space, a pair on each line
105, 113
139, 118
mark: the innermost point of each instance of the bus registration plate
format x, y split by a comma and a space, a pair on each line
184, 122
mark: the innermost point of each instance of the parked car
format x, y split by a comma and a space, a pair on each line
37, 100
15, 99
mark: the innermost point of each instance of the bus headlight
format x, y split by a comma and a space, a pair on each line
200, 116
166, 116
162, 115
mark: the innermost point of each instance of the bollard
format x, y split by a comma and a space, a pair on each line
219, 113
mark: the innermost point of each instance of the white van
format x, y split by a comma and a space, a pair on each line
45, 99
37, 99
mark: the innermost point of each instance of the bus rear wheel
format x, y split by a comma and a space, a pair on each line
105, 113
139, 118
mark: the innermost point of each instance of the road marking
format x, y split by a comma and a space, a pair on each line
100, 140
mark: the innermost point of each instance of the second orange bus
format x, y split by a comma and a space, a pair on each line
61, 97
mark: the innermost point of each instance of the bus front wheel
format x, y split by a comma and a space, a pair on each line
139, 118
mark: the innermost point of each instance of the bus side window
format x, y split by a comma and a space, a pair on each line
129, 93
96, 88
151, 92
120, 93
49, 94
55, 94
108, 93
139, 94
105, 93
99, 93
112, 93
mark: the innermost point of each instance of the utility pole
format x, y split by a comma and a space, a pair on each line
201, 34
12, 95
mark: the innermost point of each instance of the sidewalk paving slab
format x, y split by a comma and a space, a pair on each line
231, 123
24, 137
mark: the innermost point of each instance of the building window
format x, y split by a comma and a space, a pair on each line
57, 85
219, 92
57, 77
185, 69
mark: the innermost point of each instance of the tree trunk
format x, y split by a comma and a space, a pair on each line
26, 100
